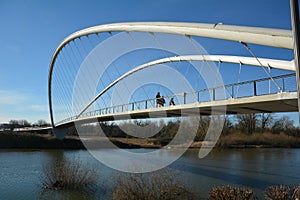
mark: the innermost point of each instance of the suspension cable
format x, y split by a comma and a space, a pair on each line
164, 51
56, 87
171, 62
129, 65
117, 70
268, 73
65, 83
88, 72
92, 62
212, 69
97, 72
239, 79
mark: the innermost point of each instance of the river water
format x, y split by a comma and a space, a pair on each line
21, 171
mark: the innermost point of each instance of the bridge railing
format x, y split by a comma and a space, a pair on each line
257, 87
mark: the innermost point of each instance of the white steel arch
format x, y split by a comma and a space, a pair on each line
263, 36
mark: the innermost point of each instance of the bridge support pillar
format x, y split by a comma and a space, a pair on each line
60, 133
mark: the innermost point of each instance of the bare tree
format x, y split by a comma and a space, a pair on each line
18, 123
228, 126
41, 123
203, 127
24, 123
13, 124
284, 124
266, 120
247, 122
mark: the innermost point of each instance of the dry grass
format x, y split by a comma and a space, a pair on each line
282, 192
161, 185
70, 175
37, 141
229, 193
259, 139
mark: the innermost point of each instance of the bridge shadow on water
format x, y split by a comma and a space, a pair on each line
229, 175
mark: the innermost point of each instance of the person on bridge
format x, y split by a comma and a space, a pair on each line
158, 97
172, 103
160, 100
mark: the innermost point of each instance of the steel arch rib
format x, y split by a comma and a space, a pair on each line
263, 36
278, 64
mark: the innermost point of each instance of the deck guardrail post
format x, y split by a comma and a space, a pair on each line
283, 85
184, 98
254, 88
214, 94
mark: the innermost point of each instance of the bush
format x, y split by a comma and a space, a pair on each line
282, 192
156, 185
231, 193
71, 175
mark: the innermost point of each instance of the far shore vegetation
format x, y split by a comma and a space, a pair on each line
239, 131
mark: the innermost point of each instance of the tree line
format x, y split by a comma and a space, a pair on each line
242, 123
23, 123
266, 122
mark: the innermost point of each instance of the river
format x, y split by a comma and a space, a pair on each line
20, 174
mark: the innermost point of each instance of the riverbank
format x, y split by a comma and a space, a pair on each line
12, 140
258, 140
235, 140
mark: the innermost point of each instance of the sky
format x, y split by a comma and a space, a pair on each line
32, 29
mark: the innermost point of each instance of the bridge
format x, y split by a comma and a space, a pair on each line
252, 102
88, 67
44, 130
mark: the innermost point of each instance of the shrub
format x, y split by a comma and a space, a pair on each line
69, 174
231, 193
282, 192
156, 185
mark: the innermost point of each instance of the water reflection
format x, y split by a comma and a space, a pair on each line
66, 195
71, 163
257, 168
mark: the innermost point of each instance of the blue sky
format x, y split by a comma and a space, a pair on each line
32, 29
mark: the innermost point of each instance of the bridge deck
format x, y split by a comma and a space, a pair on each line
33, 129
280, 102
